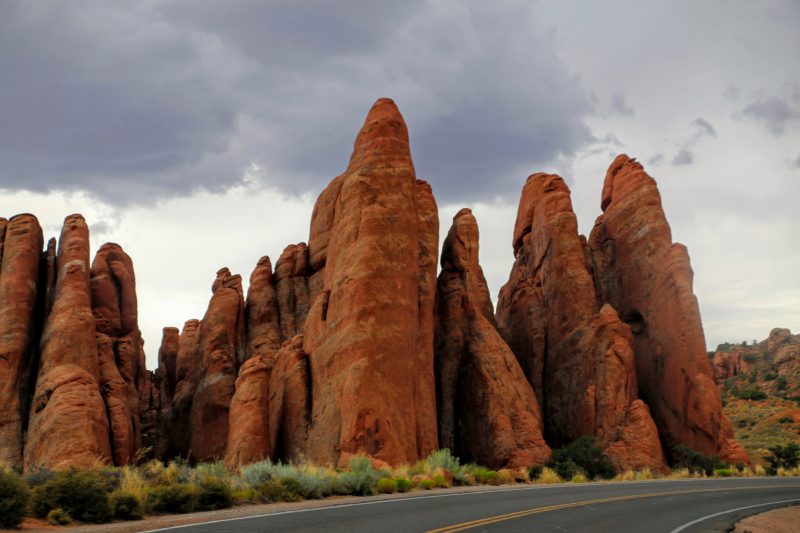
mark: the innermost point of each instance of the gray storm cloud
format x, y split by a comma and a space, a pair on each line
137, 102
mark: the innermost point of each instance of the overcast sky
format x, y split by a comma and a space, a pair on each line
198, 133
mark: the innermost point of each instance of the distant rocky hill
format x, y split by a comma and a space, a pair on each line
760, 385
353, 346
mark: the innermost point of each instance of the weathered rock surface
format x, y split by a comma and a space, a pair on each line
581, 356
188, 371
726, 365
68, 424
249, 421
293, 292
221, 342
20, 258
368, 333
119, 344
261, 312
647, 278
488, 413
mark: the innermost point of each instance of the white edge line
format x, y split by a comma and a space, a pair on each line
703, 519
430, 496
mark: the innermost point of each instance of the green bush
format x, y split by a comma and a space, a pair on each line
125, 505
694, 461
535, 472
279, 490
403, 484
426, 484
173, 498
15, 498
770, 376
752, 393
59, 517
781, 383
750, 358
783, 457
214, 494
440, 481
786, 420
38, 476
81, 494
582, 455
443, 459
723, 472
386, 485
361, 479
484, 476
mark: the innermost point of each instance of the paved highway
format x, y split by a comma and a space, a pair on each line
652, 506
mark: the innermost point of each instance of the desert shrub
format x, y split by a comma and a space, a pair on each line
15, 498
723, 472
752, 393
781, 383
443, 459
314, 482
386, 485
786, 457
581, 455
786, 420
770, 376
202, 471
403, 484
242, 496
173, 498
126, 505
81, 494
579, 477
257, 473
483, 475
549, 476
750, 358
361, 479
215, 494
38, 476
440, 481
694, 461
426, 484
58, 517
535, 472
279, 490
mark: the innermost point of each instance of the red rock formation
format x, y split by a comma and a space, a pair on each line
221, 339
648, 280
725, 365
188, 371
291, 282
582, 357
21, 243
167, 363
122, 365
249, 435
290, 402
68, 424
261, 312
488, 413
369, 331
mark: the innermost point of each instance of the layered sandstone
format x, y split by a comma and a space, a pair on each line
119, 345
20, 258
292, 286
68, 424
369, 331
188, 371
487, 410
220, 350
261, 311
648, 279
578, 354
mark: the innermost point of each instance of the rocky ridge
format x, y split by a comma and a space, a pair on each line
352, 346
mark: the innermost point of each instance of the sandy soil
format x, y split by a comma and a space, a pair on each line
783, 520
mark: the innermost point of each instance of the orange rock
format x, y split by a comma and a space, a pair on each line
249, 435
221, 339
290, 402
188, 371
114, 306
488, 413
584, 361
68, 424
261, 312
648, 280
368, 331
291, 282
725, 365
20, 256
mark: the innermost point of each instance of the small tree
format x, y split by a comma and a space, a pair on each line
582, 455
783, 457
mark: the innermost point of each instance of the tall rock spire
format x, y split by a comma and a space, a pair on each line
648, 279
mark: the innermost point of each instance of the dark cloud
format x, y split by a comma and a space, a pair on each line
656, 159
732, 93
796, 162
620, 107
140, 101
703, 127
772, 112
683, 157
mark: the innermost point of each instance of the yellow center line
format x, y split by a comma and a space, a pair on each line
519, 514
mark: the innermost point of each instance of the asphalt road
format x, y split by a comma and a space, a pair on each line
650, 506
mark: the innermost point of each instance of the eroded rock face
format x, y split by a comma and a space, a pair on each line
488, 413
119, 343
293, 293
68, 424
578, 354
221, 339
725, 365
261, 312
188, 371
20, 258
369, 330
647, 278
249, 435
